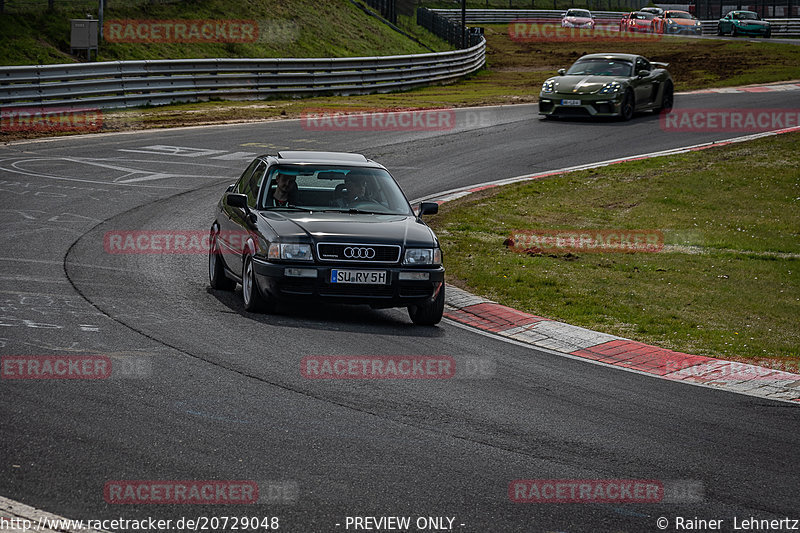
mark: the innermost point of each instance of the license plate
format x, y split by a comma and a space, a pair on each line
570, 102
365, 277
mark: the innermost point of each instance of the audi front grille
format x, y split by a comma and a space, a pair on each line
358, 253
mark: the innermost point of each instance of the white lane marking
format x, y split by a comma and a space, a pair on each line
236, 156
175, 151
16, 168
148, 175
24, 518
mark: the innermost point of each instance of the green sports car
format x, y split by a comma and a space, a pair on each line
743, 23
607, 85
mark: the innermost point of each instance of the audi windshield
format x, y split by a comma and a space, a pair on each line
333, 188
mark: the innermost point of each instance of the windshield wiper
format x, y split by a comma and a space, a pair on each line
354, 211
290, 207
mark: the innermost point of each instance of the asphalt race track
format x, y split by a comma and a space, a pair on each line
223, 398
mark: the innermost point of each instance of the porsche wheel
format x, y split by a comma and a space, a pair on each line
628, 106
734, 33
667, 98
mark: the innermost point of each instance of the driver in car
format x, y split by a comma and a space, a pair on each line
354, 190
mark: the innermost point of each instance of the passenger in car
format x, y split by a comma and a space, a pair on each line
285, 192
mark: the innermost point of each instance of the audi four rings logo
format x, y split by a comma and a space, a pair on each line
351, 252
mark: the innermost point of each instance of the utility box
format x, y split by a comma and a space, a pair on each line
83, 35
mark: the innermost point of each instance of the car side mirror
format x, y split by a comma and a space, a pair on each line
643, 74
428, 208
237, 200
561, 72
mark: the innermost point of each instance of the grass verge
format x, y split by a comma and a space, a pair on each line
726, 284
300, 28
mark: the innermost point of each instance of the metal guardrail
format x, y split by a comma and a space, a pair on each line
780, 27
116, 84
448, 28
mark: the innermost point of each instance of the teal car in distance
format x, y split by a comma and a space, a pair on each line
743, 23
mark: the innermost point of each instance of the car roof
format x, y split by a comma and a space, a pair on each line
624, 57
326, 158
743, 11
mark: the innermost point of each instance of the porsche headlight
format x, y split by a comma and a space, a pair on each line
549, 86
423, 256
290, 251
611, 87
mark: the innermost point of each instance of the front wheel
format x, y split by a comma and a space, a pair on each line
430, 313
254, 301
719, 30
216, 268
627, 107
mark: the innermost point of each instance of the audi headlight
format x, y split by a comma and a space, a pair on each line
423, 256
549, 86
290, 251
611, 87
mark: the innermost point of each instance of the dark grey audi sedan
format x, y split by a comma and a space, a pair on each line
325, 226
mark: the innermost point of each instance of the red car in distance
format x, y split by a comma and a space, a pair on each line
637, 21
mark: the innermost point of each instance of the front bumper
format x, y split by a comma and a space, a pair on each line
592, 105
684, 30
272, 279
751, 31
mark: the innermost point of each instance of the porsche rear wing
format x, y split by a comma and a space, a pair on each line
659, 64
